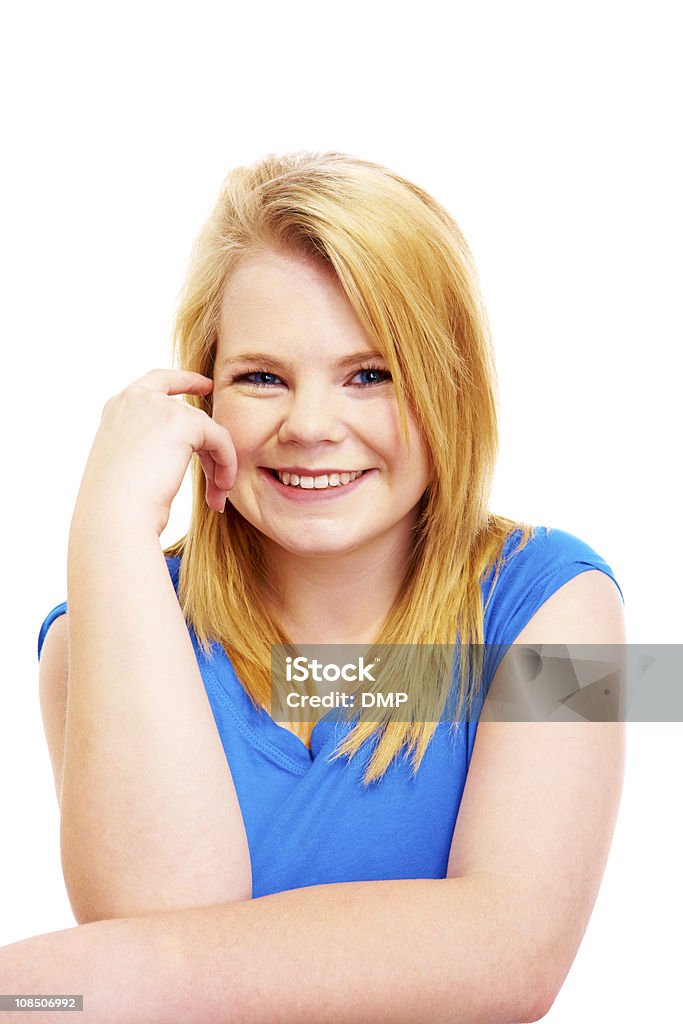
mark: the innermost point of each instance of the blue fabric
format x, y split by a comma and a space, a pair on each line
309, 821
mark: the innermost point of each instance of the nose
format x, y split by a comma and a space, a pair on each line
311, 416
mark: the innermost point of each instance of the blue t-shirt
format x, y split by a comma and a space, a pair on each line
309, 821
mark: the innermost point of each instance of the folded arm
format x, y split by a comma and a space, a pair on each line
414, 950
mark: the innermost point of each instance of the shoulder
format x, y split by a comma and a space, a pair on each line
587, 609
529, 577
60, 613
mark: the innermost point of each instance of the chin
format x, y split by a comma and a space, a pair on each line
315, 546
317, 550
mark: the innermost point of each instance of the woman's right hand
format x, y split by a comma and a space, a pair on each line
143, 447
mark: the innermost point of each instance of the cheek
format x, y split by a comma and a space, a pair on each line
246, 431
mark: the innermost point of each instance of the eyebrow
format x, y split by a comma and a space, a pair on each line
263, 357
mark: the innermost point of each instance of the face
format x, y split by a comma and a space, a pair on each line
299, 389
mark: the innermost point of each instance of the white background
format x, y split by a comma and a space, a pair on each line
550, 132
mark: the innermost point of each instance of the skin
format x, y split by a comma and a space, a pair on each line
337, 565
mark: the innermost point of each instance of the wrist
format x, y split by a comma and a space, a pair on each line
110, 525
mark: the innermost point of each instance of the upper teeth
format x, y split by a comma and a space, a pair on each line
331, 480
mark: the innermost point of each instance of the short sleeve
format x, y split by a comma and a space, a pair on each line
172, 564
528, 577
60, 609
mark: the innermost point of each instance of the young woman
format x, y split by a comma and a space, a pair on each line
339, 393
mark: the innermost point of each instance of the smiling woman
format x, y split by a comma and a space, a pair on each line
340, 398
344, 331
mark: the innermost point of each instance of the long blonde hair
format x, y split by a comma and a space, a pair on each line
409, 275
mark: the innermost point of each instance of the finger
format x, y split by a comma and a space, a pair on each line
215, 481
215, 440
215, 495
208, 466
175, 382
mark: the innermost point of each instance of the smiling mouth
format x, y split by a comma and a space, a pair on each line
323, 482
322, 491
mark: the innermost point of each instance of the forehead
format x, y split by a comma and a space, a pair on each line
273, 277
281, 298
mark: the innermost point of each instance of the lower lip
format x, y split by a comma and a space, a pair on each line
314, 495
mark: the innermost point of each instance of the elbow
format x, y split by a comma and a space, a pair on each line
83, 915
521, 1011
89, 903
534, 1007
86, 906
530, 992
89, 907
88, 912
541, 997
93, 899
538, 1011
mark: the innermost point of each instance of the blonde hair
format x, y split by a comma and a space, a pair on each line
409, 275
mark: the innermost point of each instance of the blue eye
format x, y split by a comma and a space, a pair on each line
376, 370
245, 377
255, 383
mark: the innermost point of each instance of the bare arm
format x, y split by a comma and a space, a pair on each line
150, 817
419, 951
541, 799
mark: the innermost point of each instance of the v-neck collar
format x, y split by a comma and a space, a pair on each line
260, 728
278, 743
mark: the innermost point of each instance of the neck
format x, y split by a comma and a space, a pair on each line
341, 598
